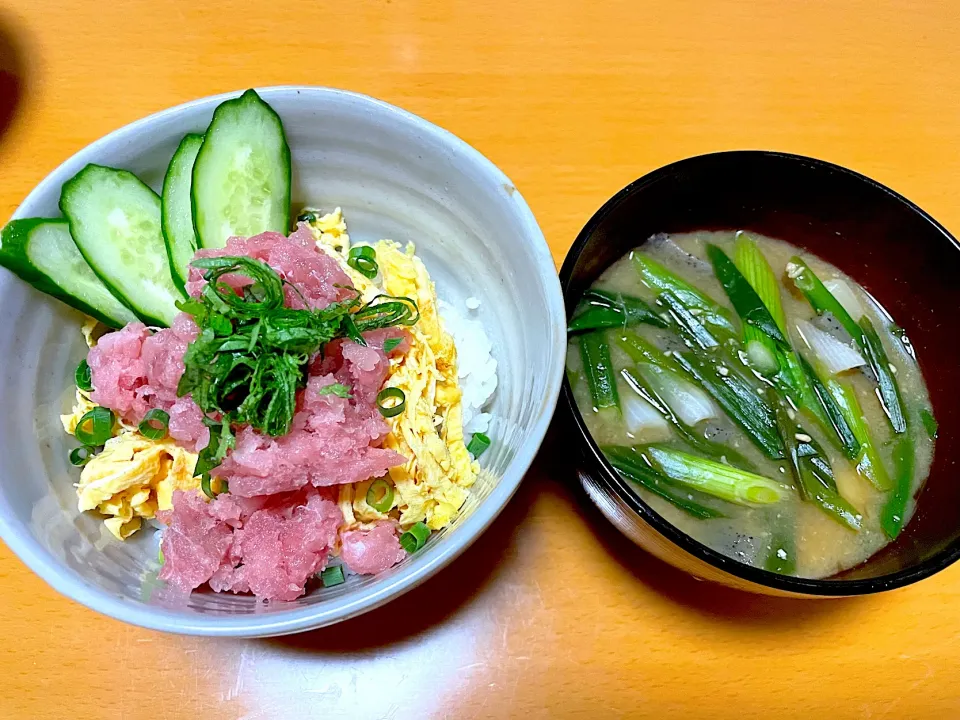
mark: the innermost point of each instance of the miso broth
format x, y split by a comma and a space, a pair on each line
697, 406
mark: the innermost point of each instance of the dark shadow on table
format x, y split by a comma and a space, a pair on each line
12, 71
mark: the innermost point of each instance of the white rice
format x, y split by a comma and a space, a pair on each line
476, 366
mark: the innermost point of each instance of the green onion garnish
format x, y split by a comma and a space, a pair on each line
388, 394
363, 259
205, 485
415, 538
390, 344
929, 423
332, 576
338, 389
478, 443
83, 377
380, 495
80, 456
307, 217
154, 424
160, 555
95, 427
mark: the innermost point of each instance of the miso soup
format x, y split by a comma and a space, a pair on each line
756, 397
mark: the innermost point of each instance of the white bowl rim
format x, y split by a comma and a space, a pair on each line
364, 599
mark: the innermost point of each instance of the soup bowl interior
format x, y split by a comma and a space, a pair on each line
395, 176
898, 253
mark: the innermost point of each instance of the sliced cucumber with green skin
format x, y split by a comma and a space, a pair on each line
241, 179
43, 253
115, 221
177, 210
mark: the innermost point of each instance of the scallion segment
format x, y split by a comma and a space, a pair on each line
478, 444
598, 367
656, 277
83, 376
332, 576
415, 538
868, 461
95, 427
893, 517
762, 350
930, 423
738, 398
81, 456
687, 324
748, 304
206, 484
830, 411
390, 344
876, 356
154, 425
380, 495
602, 309
782, 555
814, 480
714, 478
633, 467
864, 334
395, 408
363, 259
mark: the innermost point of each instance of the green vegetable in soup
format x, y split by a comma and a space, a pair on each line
599, 309
597, 366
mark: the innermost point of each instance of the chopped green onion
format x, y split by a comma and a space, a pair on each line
713, 478
332, 576
391, 393
782, 557
478, 444
154, 424
641, 350
601, 309
338, 389
363, 259
96, 426
598, 367
390, 344
687, 324
81, 455
415, 538
307, 217
893, 516
868, 461
876, 356
83, 377
205, 485
762, 350
748, 304
631, 465
160, 555
863, 333
818, 296
738, 398
830, 415
656, 277
930, 423
380, 495
815, 482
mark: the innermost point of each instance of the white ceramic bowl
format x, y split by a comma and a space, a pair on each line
395, 175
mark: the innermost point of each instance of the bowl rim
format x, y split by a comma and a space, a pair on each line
364, 599
615, 483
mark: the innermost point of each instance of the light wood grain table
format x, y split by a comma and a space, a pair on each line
550, 613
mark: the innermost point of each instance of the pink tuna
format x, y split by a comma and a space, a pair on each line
369, 552
297, 260
270, 547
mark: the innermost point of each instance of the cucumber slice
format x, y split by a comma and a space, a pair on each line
241, 179
115, 221
43, 253
177, 211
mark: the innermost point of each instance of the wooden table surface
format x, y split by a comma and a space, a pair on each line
550, 613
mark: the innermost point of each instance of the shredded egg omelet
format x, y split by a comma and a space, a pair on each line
433, 484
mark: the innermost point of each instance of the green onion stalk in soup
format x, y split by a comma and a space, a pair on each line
756, 397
